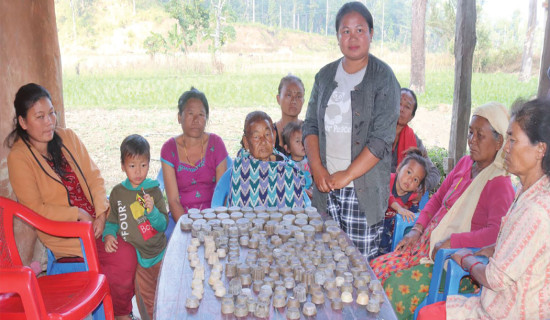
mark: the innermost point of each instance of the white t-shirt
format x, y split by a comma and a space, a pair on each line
338, 120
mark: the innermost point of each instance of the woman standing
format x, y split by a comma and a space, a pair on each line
195, 160
290, 98
52, 173
349, 130
515, 282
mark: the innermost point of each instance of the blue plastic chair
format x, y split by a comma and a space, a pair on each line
171, 223
55, 267
455, 273
401, 228
221, 192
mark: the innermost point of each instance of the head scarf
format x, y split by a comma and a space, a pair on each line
459, 217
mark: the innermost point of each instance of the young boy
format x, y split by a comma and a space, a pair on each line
292, 142
139, 216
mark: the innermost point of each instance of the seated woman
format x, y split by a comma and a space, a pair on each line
466, 211
52, 173
405, 138
195, 160
290, 97
515, 281
261, 176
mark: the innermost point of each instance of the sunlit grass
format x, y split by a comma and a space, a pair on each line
162, 89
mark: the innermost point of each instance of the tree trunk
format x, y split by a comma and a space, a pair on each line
544, 82
465, 42
418, 45
527, 60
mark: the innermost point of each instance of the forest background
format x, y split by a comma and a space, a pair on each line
126, 62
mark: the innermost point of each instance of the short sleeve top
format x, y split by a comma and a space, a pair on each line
196, 183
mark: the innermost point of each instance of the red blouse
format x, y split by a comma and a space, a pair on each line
77, 197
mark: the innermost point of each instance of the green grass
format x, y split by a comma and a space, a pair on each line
162, 89
501, 87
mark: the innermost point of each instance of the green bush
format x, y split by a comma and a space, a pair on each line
438, 155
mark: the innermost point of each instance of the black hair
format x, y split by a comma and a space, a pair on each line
255, 116
287, 79
533, 117
354, 7
25, 98
415, 154
289, 129
407, 90
134, 145
193, 94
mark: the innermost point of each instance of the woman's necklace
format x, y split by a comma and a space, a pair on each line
187, 156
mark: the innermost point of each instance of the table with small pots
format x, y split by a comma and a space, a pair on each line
267, 263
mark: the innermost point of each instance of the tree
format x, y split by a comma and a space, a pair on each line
418, 45
527, 60
465, 42
193, 18
441, 24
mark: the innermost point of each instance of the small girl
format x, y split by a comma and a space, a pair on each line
407, 185
294, 147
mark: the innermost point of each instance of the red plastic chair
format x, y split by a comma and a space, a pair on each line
63, 296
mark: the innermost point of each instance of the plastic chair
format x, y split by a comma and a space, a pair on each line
401, 228
55, 267
62, 296
221, 192
454, 274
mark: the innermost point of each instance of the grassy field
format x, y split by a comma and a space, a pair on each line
103, 109
162, 89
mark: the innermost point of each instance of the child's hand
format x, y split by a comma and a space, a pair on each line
149, 204
407, 214
111, 244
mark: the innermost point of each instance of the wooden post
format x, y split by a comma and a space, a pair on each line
544, 83
30, 53
418, 45
465, 42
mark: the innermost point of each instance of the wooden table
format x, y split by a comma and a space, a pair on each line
174, 286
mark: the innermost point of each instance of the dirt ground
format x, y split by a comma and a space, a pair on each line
102, 131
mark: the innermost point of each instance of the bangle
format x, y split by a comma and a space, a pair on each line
472, 266
462, 260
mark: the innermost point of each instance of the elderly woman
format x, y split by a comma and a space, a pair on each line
290, 98
52, 173
193, 161
405, 138
466, 211
515, 282
260, 172
349, 129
